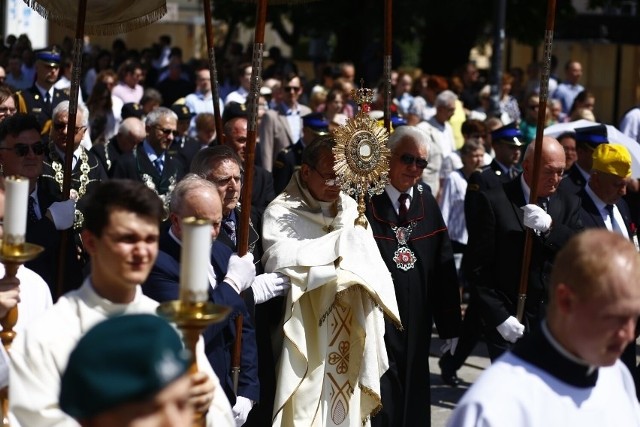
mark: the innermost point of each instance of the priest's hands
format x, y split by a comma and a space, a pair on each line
536, 218
9, 294
268, 285
241, 410
511, 330
241, 272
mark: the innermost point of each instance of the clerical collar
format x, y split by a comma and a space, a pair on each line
538, 349
549, 336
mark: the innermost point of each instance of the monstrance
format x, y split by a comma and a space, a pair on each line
362, 155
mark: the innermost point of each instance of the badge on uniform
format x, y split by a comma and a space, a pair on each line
404, 258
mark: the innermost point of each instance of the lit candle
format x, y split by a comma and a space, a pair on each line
195, 259
15, 214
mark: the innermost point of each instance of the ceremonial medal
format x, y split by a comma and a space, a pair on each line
404, 258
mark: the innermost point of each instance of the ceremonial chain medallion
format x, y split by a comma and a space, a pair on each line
403, 256
362, 156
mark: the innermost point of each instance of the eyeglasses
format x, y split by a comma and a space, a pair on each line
534, 106
7, 110
62, 126
329, 182
22, 149
292, 88
408, 160
168, 132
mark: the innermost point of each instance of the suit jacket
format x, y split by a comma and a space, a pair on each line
275, 134
187, 147
30, 101
255, 247
108, 154
491, 176
495, 250
138, 167
591, 217
425, 294
163, 285
287, 162
573, 181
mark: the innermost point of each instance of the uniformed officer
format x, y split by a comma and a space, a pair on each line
587, 140
290, 159
41, 98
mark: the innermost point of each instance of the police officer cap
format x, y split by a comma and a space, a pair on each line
182, 111
507, 134
316, 123
50, 57
593, 135
233, 110
613, 159
121, 360
131, 109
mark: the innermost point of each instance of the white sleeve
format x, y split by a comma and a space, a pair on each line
220, 413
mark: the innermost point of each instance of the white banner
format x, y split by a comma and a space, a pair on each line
21, 19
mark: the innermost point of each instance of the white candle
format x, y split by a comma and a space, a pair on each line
195, 259
15, 209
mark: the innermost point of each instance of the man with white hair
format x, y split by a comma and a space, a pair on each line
413, 240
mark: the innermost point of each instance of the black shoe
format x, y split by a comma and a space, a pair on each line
447, 373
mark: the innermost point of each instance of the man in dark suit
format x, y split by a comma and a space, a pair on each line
183, 143
130, 134
198, 198
41, 98
506, 142
587, 139
21, 154
495, 249
413, 240
604, 207
290, 159
151, 162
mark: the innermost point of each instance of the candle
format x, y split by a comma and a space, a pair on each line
195, 259
15, 214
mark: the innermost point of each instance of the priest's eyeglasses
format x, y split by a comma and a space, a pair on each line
329, 182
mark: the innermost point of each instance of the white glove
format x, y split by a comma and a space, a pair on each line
241, 410
62, 213
268, 285
449, 345
241, 272
536, 218
511, 330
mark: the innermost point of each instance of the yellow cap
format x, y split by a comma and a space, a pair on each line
612, 158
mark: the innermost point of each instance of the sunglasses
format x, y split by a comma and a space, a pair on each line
59, 126
408, 160
22, 149
292, 88
168, 132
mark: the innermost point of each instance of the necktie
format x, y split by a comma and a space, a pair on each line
229, 226
615, 227
158, 163
32, 218
47, 101
543, 202
402, 211
513, 173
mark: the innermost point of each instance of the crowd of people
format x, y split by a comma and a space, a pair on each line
336, 319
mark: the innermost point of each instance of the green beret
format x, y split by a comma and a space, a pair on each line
121, 360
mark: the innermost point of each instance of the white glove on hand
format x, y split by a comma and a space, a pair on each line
241, 410
449, 345
511, 330
241, 272
536, 218
62, 213
268, 285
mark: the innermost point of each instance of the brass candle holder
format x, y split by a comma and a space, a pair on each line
12, 256
193, 318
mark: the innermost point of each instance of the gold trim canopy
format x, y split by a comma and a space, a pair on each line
103, 17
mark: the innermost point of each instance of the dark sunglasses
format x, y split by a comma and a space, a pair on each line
168, 132
22, 149
408, 160
59, 126
291, 88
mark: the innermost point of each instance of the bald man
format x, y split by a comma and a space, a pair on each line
568, 372
130, 133
495, 249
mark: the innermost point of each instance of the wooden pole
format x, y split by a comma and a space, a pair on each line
537, 155
71, 133
388, 49
249, 159
208, 20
